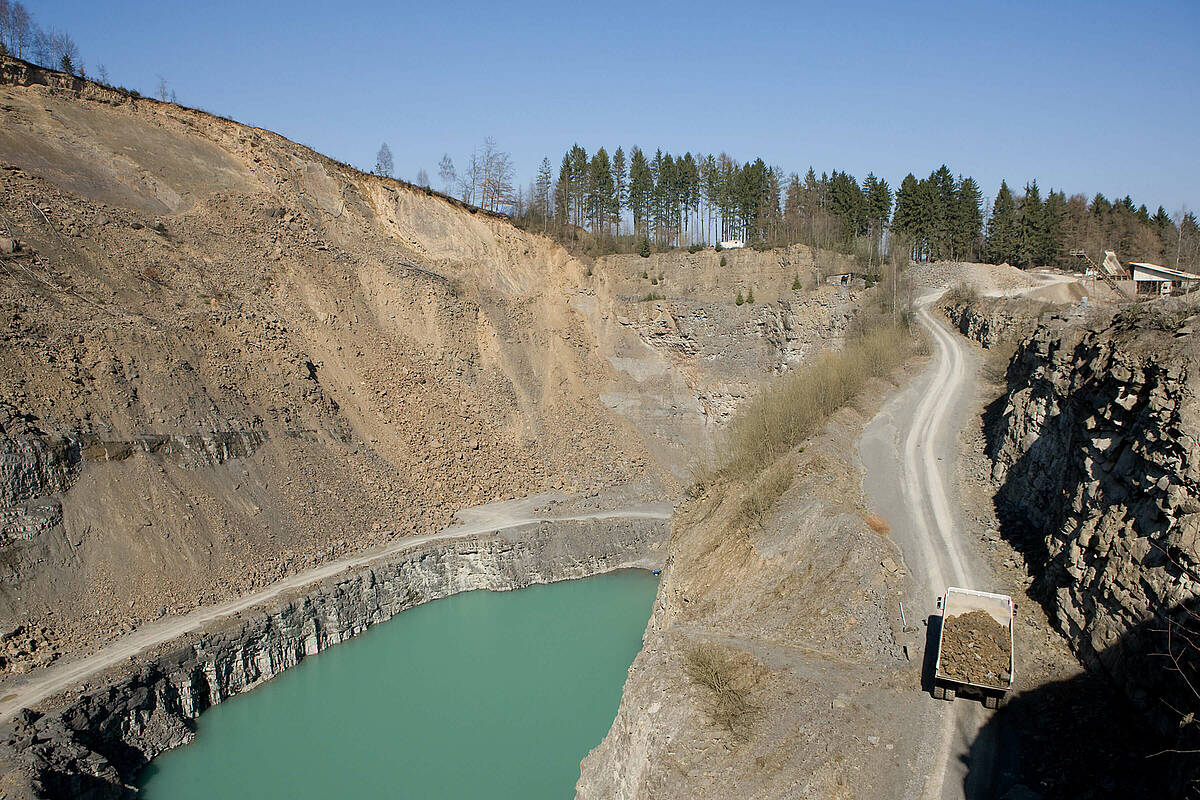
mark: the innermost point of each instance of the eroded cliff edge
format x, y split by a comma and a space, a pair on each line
96, 742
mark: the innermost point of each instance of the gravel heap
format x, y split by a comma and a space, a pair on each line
976, 649
983, 277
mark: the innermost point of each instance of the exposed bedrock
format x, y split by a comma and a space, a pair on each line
1095, 455
95, 745
991, 321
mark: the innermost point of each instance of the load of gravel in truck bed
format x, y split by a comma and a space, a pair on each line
976, 649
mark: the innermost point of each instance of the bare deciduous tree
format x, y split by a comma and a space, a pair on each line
383, 161
497, 188
21, 30
446, 172
163, 90
422, 177
5, 26
468, 182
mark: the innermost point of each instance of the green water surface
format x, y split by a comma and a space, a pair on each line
479, 695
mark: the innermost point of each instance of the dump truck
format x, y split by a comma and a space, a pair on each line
975, 646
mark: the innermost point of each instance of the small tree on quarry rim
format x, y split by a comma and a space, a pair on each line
383, 161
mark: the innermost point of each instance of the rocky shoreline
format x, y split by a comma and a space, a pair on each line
95, 745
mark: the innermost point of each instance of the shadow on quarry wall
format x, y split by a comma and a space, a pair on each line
1016, 527
1081, 738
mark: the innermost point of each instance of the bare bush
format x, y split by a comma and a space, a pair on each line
962, 294
727, 683
768, 487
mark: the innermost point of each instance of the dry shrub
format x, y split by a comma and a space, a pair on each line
764, 491
727, 683
877, 523
961, 294
797, 405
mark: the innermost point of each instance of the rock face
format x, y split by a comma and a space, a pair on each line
95, 746
1095, 453
991, 320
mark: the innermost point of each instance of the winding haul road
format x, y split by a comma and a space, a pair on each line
482, 521
909, 454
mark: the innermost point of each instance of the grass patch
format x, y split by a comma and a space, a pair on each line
726, 682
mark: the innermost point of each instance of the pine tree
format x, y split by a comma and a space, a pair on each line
1054, 212
621, 185
878, 196
661, 168
1002, 228
968, 219
904, 218
1164, 227
929, 220
641, 191
792, 200
941, 203
579, 174
847, 204
1031, 226
689, 192
601, 192
562, 192
541, 190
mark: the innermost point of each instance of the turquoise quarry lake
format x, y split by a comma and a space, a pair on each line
483, 694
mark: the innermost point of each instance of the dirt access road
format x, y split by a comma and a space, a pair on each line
481, 521
909, 457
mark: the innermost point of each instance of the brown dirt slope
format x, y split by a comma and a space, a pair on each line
224, 357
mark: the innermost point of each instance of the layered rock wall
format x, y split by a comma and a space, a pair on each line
1094, 449
95, 746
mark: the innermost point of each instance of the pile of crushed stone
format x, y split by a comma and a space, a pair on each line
981, 277
976, 649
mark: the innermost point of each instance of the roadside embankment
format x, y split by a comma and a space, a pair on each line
776, 662
93, 744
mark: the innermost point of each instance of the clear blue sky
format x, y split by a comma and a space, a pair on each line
1089, 97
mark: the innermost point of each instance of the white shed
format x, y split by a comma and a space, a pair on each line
1153, 279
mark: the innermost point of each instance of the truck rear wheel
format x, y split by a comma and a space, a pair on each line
939, 693
950, 694
991, 701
